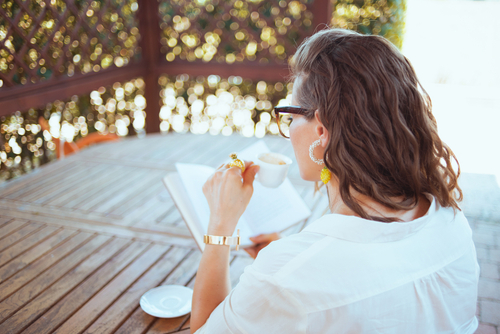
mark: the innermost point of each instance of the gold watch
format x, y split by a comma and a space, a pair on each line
223, 240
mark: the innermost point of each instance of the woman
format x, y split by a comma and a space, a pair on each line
395, 255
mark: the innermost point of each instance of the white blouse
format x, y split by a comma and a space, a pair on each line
344, 274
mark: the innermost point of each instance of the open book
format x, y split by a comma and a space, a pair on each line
269, 210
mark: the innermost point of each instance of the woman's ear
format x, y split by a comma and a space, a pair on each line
321, 130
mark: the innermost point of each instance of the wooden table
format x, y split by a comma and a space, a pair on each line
82, 238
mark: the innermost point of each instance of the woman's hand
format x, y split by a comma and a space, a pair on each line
260, 242
228, 192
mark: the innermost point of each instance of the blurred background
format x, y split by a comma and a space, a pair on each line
76, 73
455, 47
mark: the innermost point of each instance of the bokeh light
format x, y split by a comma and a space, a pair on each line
116, 109
233, 31
218, 105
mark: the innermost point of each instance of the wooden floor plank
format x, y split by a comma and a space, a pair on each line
11, 227
86, 315
118, 313
19, 234
44, 280
27, 243
34, 253
30, 312
38, 267
68, 305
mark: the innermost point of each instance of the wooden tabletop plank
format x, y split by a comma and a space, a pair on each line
139, 320
27, 243
11, 227
99, 186
35, 252
86, 315
30, 312
4, 220
152, 207
95, 175
68, 185
38, 267
140, 195
42, 281
238, 265
118, 313
112, 193
179, 148
133, 196
182, 276
43, 175
68, 305
45, 188
173, 217
19, 234
100, 224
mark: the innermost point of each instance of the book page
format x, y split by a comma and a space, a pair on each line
194, 177
272, 209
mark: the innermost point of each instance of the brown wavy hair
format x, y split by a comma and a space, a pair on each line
384, 141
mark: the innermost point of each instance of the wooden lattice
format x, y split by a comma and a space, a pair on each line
44, 39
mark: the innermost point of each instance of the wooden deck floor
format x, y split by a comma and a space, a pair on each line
81, 239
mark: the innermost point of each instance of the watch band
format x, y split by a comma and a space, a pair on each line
222, 240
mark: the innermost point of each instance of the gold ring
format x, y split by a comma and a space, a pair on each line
237, 162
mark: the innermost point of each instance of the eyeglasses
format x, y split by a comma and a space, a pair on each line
284, 118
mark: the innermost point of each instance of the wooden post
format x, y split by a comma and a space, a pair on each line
149, 29
322, 13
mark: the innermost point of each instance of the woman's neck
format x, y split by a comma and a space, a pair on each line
372, 207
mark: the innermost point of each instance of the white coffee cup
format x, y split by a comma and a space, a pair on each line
273, 169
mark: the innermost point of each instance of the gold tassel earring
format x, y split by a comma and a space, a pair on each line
326, 175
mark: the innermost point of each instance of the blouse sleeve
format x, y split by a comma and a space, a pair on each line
257, 305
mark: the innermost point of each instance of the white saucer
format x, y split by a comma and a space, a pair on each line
167, 301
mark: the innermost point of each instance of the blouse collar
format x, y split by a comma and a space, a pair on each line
356, 229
